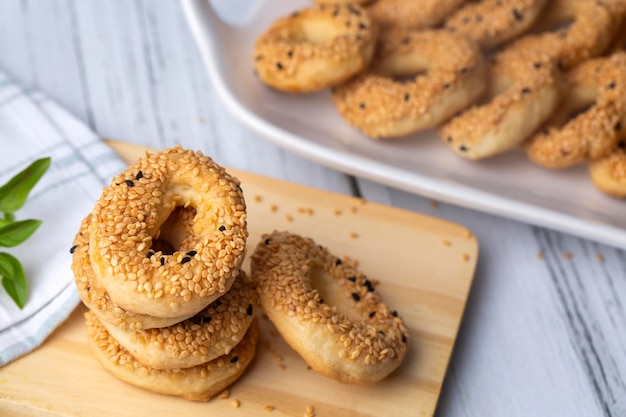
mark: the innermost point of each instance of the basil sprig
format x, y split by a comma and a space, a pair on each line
13, 195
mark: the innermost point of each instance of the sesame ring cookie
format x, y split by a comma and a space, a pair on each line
571, 31
609, 173
492, 22
327, 310
198, 383
596, 96
211, 333
95, 296
412, 14
524, 91
125, 224
412, 85
315, 48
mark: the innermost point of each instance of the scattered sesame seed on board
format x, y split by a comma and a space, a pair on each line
539, 255
446, 242
354, 235
258, 198
273, 208
354, 209
288, 218
224, 395
235, 403
465, 257
269, 408
599, 257
337, 212
568, 255
469, 234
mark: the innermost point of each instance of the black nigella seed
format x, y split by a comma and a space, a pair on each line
353, 10
348, 23
162, 260
451, 29
259, 57
356, 297
516, 13
611, 85
449, 139
267, 241
446, 86
618, 126
537, 65
466, 19
525, 90
192, 253
338, 262
336, 12
149, 254
139, 175
295, 14
381, 332
362, 26
406, 41
234, 359
185, 260
222, 228
279, 65
88, 288
358, 37
289, 54
218, 303
372, 314
368, 284
403, 338
352, 279
321, 301
464, 70
621, 144
73, 248
362, 105
463, 148
206, 319
249, 310
130, 183
394, 313
406, 97
479, 18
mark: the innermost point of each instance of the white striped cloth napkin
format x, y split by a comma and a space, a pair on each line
32, 127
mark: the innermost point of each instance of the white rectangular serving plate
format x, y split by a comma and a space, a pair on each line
507, 185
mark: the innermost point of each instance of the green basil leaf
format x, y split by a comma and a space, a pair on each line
13, 194
15, 233
13, 279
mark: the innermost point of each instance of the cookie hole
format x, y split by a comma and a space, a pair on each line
334, 293
173, 232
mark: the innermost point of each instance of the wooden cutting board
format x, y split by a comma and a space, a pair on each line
425, 268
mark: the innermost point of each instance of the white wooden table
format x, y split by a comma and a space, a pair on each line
540, 337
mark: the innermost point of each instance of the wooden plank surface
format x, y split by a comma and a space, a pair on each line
425, 267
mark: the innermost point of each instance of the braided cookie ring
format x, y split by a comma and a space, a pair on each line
524, 92
327, 310
198, 383
412, 14
597, 86
383, 108
95, 297
315, 48
609, 173
493, 22
126, 221
592, 25
211, 333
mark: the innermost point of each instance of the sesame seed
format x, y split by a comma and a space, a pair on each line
465, 257
600, 257
568, 255
258, 198
224, 395
235, 403
446, 242
353, 235
269, 408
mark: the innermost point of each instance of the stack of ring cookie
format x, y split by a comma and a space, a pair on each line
327, 310
158, 264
